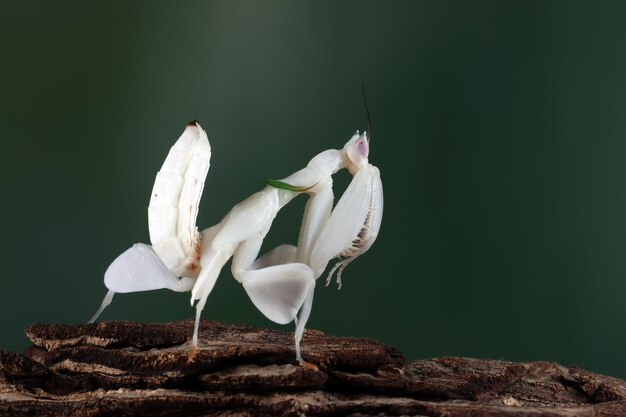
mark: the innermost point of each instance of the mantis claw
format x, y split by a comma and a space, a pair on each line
192, 354
339, 267
329, 278
308, 365
105, 302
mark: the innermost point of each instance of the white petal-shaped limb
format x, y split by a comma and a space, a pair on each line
175, 199
278, 291
277, 285
354, 223
140, 269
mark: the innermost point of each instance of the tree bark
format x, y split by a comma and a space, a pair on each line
141, 369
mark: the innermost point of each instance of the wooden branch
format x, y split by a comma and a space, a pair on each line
141, 369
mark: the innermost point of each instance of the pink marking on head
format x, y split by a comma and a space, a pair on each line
363, 147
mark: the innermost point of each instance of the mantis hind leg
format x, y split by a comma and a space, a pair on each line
105, 303
276, 285
196, 327
278, 291
305, 312
212, 264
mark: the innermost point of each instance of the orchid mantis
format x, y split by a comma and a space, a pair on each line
280, 283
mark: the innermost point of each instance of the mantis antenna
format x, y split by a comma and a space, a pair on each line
367, 111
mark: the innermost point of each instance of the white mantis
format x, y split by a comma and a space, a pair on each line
280, 283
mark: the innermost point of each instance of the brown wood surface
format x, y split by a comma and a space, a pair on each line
141, 369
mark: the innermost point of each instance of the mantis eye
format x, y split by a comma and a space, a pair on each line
357, 150
363, 146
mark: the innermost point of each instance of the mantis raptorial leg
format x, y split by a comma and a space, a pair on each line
347, 231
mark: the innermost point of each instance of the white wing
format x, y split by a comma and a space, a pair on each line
175, 199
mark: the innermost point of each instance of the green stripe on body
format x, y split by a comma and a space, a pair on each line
284, 186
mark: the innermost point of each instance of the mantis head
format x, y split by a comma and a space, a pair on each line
356, 151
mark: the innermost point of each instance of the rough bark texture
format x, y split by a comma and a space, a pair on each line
140, 369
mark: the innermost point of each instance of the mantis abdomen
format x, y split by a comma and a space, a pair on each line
174, 202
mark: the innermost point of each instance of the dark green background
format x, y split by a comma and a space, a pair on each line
499, 130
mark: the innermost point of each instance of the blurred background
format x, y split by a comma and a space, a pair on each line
499, 129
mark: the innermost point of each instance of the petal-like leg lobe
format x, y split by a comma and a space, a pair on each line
139, 269
278, 291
